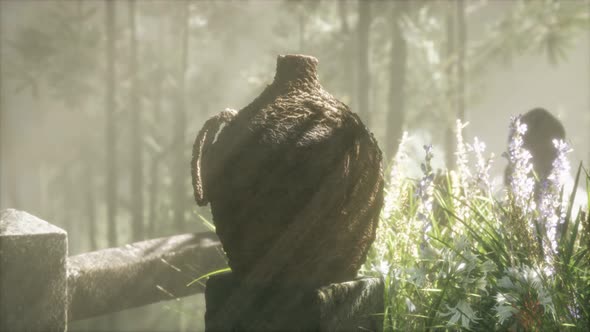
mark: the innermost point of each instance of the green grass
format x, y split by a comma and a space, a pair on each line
460, 256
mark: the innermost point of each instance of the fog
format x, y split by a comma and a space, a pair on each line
194, 59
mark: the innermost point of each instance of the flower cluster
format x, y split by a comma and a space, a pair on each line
453, 255
482, 166
460, 178
396, 177
521, 183
466, 184
551, 209
425, 193
462, 160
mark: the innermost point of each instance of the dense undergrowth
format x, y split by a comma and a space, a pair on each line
456, 253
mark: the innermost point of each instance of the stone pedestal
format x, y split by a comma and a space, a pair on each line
32, 273
349, 306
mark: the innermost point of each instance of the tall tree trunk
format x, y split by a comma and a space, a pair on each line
29, 166
364, 10
87, 173
396, 114
68, 206
154, 189
180, 163
5, 190
111, 130
9, 196
461, 50
343, 12
451, 93
112, 178
347, 54
90, 201
154, 171
136, 169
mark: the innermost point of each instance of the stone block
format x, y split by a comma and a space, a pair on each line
32, 273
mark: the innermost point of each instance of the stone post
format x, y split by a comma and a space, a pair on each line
32, 273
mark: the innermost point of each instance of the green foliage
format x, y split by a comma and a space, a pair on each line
546, 26
455, 255
57, 50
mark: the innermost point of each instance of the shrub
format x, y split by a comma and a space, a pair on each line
457, 254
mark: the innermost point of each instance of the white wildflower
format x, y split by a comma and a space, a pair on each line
521, 182
551, 207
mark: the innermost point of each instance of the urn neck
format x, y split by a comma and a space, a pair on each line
296, 69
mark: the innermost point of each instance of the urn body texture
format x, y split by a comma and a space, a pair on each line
294, 180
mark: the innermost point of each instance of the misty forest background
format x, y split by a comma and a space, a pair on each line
101, 100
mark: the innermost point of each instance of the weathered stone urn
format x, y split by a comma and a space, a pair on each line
294, 180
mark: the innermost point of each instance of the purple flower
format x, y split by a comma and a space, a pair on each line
425, 193
551, 207
482, 165
521, 183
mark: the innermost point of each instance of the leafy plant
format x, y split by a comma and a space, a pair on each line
455, 254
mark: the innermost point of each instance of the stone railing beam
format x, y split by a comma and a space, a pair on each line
140, 273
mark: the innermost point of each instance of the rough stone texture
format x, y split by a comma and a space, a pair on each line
32, 273
348, 306
352, 305
294, 180
141, 273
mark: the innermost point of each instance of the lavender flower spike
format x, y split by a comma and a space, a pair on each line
551, 208
521, 183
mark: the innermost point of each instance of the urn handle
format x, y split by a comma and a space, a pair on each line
203, 142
